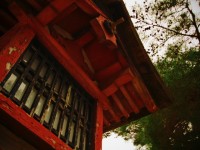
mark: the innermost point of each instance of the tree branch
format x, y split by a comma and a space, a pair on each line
167, 38
175, 12
171, 30
193, 21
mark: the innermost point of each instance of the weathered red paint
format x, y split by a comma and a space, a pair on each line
107, 72
98, 128
52, 10
59, 53
130, 88
140, 88
120, 106
111, 89
93, 58
30, 124
18, 13
9, 54
129, 100
108, 39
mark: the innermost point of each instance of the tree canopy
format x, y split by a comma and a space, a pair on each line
170, 29
165, 22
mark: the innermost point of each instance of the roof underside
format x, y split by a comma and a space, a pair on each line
121, 75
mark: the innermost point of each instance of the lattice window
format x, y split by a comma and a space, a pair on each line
40, 86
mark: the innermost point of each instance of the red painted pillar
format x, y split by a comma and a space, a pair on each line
98, 128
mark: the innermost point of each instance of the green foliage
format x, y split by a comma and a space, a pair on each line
173, 26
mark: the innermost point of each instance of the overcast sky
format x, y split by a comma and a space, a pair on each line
115, 142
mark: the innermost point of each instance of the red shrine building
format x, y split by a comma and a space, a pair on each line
70, 71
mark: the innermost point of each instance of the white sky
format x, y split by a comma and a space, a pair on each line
115, 142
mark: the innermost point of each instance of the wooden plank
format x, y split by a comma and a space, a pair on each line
119, 105
47, 15
144, 94
110, 90
142, 90
87, 61
108, 72
134, 94
121, 59
129, 99
123, 79
85, 39
52, 10
18, 13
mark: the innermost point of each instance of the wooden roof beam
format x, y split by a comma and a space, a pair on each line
85, 39
64, 59
119, 105
109, 71
129, 99
59, 53
143, 92
134, 94
110, 91
52, 10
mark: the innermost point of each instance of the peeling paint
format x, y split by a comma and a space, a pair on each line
6, 106
8, 66
12, 49
53, 141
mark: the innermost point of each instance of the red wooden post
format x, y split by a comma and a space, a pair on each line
98, 127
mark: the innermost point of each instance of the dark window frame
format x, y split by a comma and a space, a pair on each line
78, 97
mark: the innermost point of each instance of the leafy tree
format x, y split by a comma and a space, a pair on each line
173, 26
165, 22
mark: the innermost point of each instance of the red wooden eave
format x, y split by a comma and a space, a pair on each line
74, 33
